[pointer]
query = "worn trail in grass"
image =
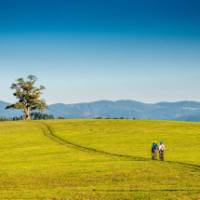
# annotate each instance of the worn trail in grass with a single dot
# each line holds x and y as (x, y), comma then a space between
(50, 133)
(98, 159)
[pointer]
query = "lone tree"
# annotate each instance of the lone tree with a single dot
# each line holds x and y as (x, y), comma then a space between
(28, 96)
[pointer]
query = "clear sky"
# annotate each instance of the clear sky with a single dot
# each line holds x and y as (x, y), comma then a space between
(102, 49)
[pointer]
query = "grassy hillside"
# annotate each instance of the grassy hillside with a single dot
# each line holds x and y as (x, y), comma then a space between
(98, 159)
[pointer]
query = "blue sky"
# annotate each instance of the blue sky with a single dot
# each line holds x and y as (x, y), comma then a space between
(103, 49)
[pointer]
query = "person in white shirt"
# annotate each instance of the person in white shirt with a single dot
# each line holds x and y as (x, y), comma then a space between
(161, 150)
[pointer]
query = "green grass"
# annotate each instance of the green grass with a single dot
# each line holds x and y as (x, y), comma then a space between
(98, 159)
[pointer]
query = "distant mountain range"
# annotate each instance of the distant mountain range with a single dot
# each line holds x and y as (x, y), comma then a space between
(183, 110)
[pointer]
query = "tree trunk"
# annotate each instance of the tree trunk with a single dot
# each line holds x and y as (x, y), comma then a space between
(27, 114)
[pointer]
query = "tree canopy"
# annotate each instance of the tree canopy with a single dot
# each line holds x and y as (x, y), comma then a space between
(28, 96)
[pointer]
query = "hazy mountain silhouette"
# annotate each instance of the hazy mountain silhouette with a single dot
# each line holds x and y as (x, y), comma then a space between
(183, 110)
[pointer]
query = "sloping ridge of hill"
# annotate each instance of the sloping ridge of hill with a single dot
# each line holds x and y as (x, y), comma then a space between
(102, 108)
(182, 110)
(9, 113)
(127, 109)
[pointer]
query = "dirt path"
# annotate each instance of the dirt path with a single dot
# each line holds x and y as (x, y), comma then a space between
(50, 133)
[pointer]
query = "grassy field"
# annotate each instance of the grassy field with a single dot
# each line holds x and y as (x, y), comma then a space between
(98, 159)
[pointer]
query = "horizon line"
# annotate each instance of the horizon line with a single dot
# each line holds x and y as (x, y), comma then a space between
(116, 100)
